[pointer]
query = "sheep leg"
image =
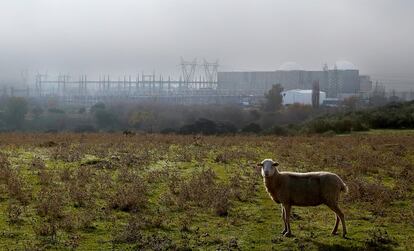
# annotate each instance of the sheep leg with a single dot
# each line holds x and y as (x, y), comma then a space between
(284, 220)
(341, 215)
(335, 229)
(287, 217)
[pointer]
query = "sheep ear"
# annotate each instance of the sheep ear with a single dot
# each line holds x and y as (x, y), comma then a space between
(275, 164)
(258, 167)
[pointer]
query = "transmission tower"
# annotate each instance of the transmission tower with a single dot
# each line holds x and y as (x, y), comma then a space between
(24, 74)
(188, 69)
(38, 84)
(210, 70)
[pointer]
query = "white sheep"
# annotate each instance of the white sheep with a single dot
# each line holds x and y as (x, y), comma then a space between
(303, 189)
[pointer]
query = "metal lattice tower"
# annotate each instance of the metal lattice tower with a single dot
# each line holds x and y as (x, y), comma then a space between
(188, 69)
(24, 74)
(39, 79)
(210, 71)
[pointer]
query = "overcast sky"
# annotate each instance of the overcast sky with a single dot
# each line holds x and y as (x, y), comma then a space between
(126, 36)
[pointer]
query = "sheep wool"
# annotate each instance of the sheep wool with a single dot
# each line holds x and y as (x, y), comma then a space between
(303, 189)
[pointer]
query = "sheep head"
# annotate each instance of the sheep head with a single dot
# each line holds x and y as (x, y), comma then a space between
(268, 167)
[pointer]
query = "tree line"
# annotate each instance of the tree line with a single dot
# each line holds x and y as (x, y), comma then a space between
(270, 117)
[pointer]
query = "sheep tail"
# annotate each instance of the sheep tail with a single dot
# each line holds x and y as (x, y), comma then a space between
(344, 187)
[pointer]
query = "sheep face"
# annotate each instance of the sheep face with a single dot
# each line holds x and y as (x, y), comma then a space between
(268, 167)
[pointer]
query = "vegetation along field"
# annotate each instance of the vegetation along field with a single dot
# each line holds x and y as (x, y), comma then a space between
(166, 192)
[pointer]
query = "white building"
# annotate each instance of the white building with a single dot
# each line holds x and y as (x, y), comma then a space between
(299, 96)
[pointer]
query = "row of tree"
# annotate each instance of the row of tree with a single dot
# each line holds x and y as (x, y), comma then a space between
(19, 114)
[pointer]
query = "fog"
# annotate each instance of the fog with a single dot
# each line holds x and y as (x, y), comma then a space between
(126, 36)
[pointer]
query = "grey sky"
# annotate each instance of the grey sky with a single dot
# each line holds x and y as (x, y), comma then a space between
(117, 36)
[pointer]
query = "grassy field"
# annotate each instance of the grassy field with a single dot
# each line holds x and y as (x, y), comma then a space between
(164, 192)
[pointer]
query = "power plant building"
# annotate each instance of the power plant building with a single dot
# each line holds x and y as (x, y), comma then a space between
(344, 78)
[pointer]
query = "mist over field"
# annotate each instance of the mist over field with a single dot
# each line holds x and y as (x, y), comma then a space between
(125, 37)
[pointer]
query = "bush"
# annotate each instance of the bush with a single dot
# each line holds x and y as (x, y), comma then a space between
(18, 188)
(202, 189)
(342, 125)
(337, 125)
(14, 212)
(379, 239)
(84, 129)
(51, 202)
(79, 187)
(56, 110)
(377, 195)
(198, 189)
(208, 127)
(130, 196)
(105, 119)
(15, 111)
(392, 116)
(252, 128)
(278, 130)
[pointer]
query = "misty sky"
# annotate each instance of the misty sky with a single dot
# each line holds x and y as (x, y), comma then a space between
(126, 36)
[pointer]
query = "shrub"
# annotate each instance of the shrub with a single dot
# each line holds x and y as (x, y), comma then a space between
(105, 119)
(79, 186)
(395, 116)
(318, 126)
(130, 195)
(14, 212)
(252, 128)
(18, 188)
(378, 196)
(84, 129)
(133, 233)
(221, 202)
(50, 205)
(15, 111)
(5, 170)
(50, 202)
(66, 153)
(202, 190)
(379, 239)
(208, 127)
(37, 163)
(278, 130)
(56, 110)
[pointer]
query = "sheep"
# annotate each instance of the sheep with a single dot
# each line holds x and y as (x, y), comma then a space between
(303, 189)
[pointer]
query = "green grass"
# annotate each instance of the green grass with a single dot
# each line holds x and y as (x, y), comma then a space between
(253, 224)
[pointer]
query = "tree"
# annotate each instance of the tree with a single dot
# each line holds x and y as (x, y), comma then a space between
(82, 110)
(56, 111)
(274, 98)
(378, 100)
(351, 103)
(208, 127)
(16, 109)
(98, 106)
(105, 119)
(37, 111)
(137, 119)
(252, 128)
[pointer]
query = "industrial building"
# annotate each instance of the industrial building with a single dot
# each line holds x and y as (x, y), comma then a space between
(245, 88)
(342, 80)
